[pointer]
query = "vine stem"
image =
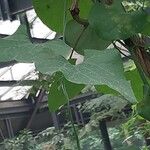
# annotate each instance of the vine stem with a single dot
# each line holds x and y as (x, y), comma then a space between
(63, 85)
(70, 116)
(76, 42)
(74, 11)
(139, 68)
(141, 72)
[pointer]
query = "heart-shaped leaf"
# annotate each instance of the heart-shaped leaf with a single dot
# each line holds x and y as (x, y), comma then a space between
(81, 38)
(51, 12)
(111, 22)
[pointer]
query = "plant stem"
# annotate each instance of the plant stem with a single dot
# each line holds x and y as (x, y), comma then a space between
(74, 10)
(70, 116)
(140, 70)
(64, 19)
(129, 45)
(77, 41)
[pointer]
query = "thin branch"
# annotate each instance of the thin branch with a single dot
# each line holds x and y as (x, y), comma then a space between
(24, 20)
(70, 116)
(64, 19)
(139, 67)
(76, 42)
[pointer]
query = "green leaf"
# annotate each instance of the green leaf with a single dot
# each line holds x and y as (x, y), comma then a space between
(143, 107)
(146, 28)
(136, 83)
(99, 67)
(112, 22)
(56, 97)
(51, 12)
(81, 38)
(19, 47)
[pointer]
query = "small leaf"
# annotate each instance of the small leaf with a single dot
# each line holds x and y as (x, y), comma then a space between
(56, 97)
(143, 107)
(81, 38)
(136, 83)
(51, 12)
